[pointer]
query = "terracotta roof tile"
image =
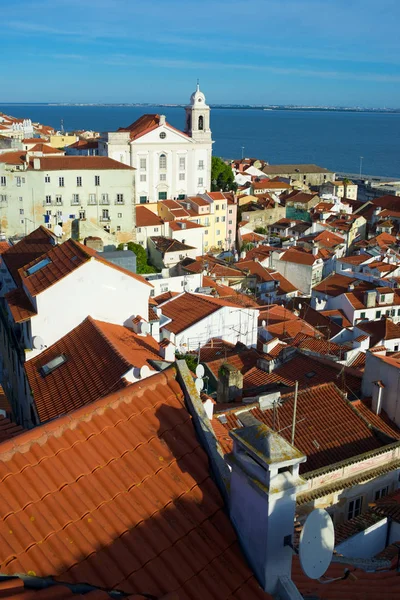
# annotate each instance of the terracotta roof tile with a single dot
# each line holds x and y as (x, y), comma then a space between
(165, 296)
(187, 309)
(98, 355)
(147, 218)
(336, 284)
(384, 329)
(328, 430)
(164, 244)
(20, 305)
(119, 495)
(224, 291)
(382, 421)
(294, 255)
(69, 163)
(243, 361)
(45, 149)
(8, 429)
(31, 247)
(287, 330)
(307, 371)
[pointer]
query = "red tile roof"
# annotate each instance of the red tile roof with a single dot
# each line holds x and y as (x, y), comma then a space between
(63, 259)
(242, 361)
(224, 291)
(252, 237)
(328, 429)
(384, 329)
(381, 421)
(147, 218)
(358, 585)
(175, 225)
(45, 149)
(20, 305)
(336, 284)
(274, 313)
(119, 495)
(98, 356)
(165, 296)
(81, 163)
(31, 247)
(145, 124)
(307, 371)
(297, 256)
(187, 309)
(356, 259)
(265, 274)
(287, 330)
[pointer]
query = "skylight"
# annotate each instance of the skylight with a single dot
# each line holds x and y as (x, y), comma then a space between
(39, 265)
(52, 365)
(310, 374)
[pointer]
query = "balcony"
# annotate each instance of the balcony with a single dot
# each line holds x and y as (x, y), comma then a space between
(104, 202)
(104, 219)
(92, 202)
(75, 202)
(120, 202)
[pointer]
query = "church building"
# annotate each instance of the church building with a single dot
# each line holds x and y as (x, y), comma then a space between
(169, 163)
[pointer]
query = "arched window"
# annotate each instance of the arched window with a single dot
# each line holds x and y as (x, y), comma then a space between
(201, 123)
(163, 161)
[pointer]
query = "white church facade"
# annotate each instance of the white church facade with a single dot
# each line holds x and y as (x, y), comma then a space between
(170, 164)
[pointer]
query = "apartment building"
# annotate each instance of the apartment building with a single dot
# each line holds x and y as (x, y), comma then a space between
(62, 190)
(215, 211)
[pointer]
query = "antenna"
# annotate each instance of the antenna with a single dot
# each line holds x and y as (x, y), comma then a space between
(317, 540)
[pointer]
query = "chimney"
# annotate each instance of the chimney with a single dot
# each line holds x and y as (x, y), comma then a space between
(264, 483)
(162, 120)
(230, 383)
(167, 350)
(315, 250)
(377, 391)
(36, 163)
(125, 247)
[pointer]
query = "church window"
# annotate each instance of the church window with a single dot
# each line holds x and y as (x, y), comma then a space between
(143, 199)
(182, 163)
(201, 123)
(200, 182)
(163, 135)
(163, 161)
(163, 177)
(181, 176)
(142, 164)
(143, 178)
(162, 195)
(201, 165)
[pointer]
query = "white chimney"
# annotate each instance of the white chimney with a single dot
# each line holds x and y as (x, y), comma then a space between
(162, 120)
(264, 483)
(36, 163)
(125, 247)
(315, 250)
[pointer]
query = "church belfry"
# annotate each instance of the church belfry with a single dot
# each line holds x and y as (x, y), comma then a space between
(198, 117)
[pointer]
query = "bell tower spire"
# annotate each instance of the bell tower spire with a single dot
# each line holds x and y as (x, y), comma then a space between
(198, 117)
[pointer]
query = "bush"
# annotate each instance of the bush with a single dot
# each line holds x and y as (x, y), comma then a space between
(190, 359)
(142, 266)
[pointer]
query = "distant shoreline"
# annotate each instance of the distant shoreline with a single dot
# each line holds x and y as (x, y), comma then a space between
(266, 108)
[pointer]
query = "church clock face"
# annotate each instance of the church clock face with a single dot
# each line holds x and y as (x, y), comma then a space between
(199, 100)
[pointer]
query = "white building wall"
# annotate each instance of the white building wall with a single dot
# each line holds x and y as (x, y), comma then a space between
(303, 277)
(94, 289)
(180, 283)
(230, 324)
(378, 370)
(366, 544)
(34, 193)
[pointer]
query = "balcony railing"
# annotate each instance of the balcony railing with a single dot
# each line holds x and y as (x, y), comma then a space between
(75, 202)
(92, 202)
(120, 202)
(104, 219)
(104, 201)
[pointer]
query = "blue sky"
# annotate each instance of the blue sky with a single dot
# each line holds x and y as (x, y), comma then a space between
(331, 52)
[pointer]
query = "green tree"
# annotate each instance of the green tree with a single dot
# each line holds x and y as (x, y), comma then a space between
(261, 230)
(222, 177)
(142, 266)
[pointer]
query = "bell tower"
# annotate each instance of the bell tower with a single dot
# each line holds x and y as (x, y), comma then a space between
(198, 117)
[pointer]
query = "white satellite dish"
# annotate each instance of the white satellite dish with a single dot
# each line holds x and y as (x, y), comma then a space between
(58, 230)
(199, 383)
(145, 372)
(145, 327)
(200, 371)
(317, 540)
(37, 342)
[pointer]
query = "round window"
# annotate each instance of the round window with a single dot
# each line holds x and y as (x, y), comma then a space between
(163, 135)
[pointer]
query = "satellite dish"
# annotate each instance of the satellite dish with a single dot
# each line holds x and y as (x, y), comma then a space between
(37, 342)
(200, 371)
(58, 231)
(145, 327)
(145, 372)
(317, 541)
(199, 383)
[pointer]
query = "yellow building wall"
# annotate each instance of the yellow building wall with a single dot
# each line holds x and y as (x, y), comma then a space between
(60, 141)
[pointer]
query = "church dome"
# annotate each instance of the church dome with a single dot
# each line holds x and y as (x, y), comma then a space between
(197, 98)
